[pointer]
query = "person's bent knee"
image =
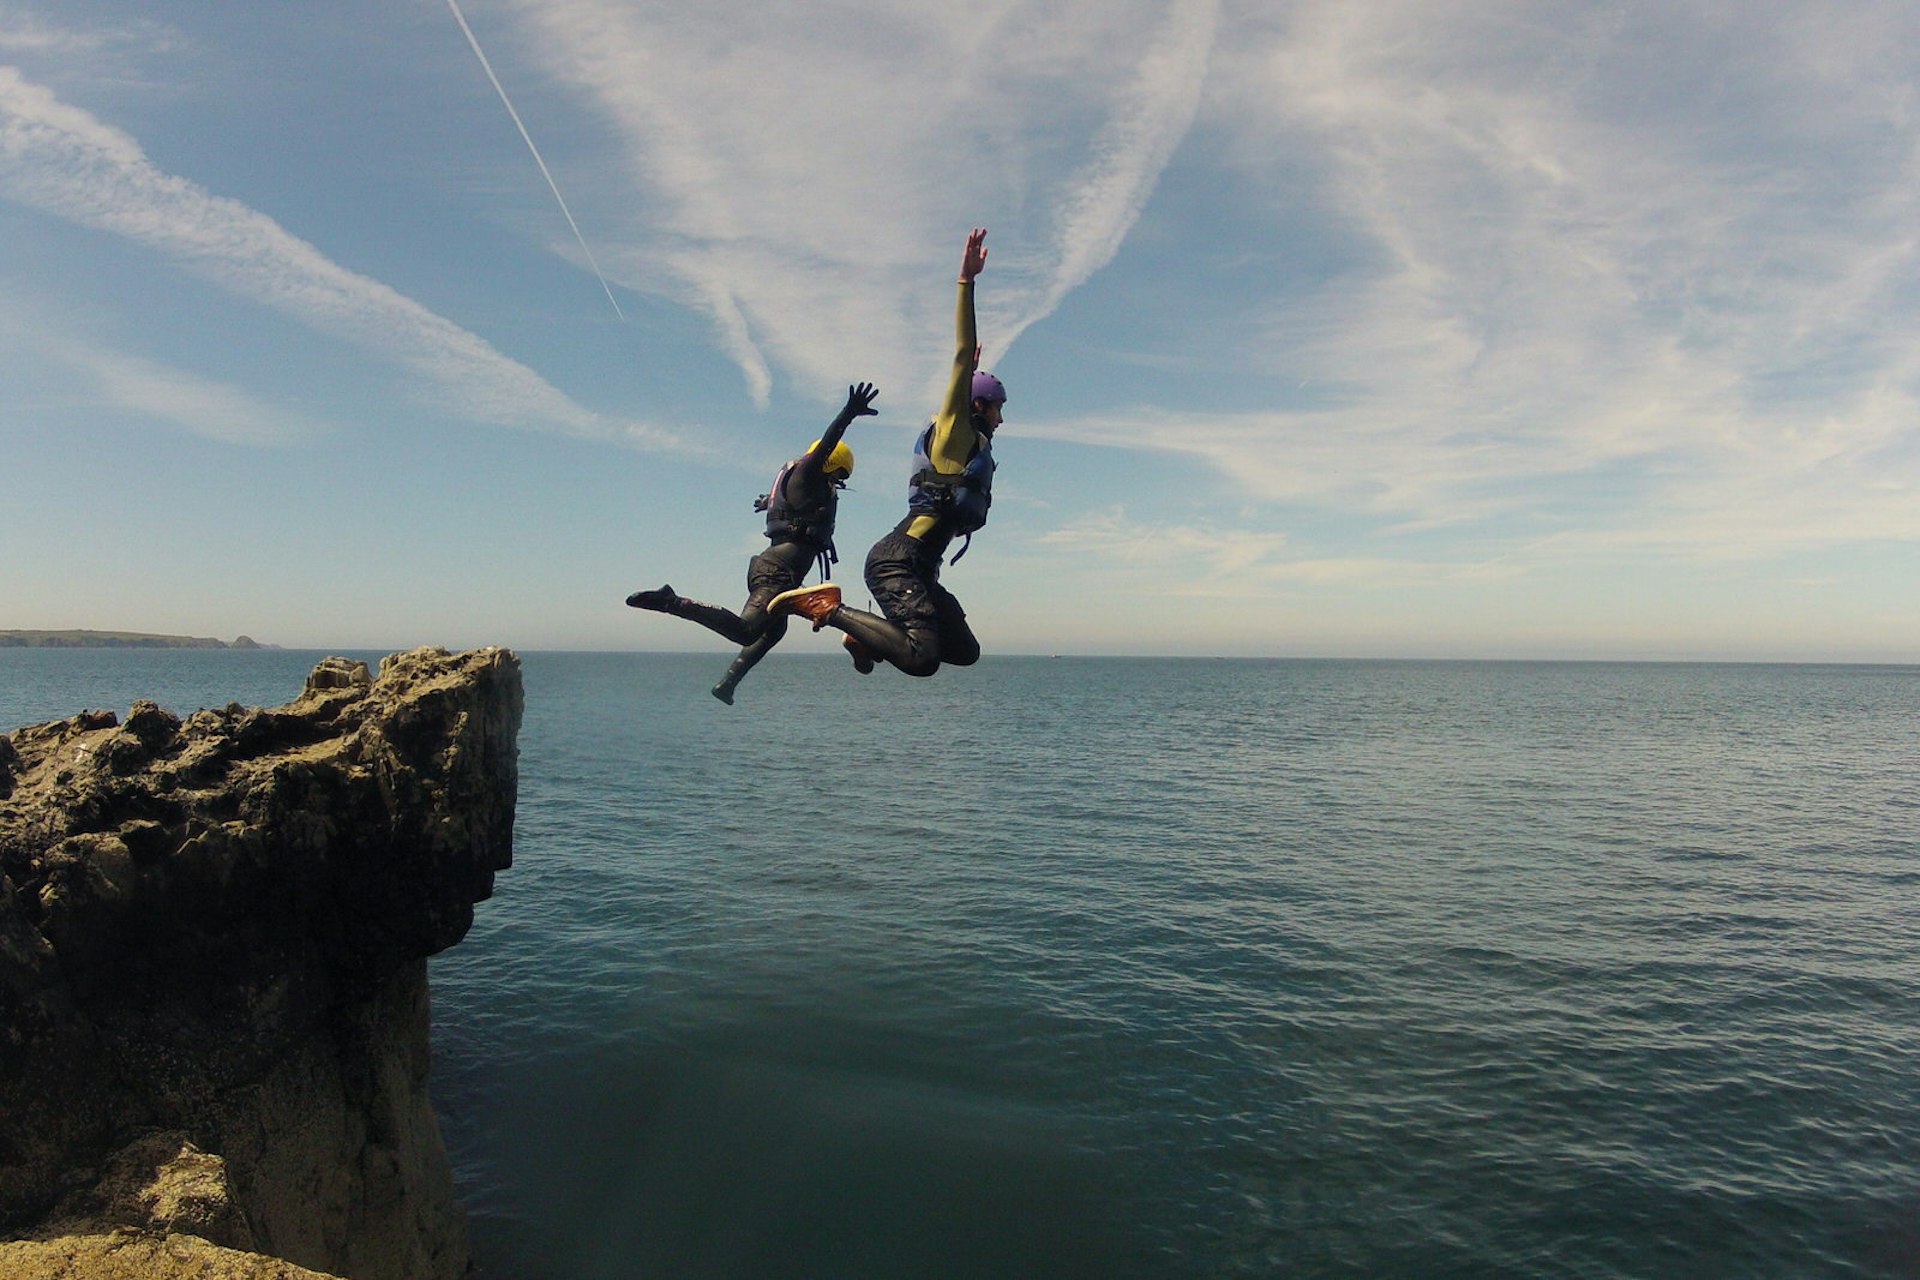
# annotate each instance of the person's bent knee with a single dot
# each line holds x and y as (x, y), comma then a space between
(922, 658)
(958, 645)
(959, 650)
(755, 618)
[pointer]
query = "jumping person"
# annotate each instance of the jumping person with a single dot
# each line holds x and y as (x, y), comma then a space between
(948, 495)
(800, 509)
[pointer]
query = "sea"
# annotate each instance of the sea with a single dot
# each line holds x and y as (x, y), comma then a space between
(1114, 968)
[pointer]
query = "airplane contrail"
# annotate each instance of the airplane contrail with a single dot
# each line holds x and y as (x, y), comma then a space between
(552, 186)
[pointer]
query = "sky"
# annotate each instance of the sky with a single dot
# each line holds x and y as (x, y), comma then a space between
(1414, 328)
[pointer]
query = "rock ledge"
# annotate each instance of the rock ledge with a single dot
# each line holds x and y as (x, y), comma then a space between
(213, 999)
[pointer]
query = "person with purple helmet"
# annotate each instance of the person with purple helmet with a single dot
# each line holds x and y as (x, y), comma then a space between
(947, 496)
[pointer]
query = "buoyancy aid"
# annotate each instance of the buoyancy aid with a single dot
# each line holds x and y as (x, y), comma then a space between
(963, 496)
(808, 521)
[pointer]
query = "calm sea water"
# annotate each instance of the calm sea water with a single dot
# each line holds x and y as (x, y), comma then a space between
(1115, 968)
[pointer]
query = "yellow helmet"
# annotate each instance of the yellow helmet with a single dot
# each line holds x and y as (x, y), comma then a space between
(841, 459)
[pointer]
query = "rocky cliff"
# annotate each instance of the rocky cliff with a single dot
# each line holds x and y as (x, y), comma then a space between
(213, 999)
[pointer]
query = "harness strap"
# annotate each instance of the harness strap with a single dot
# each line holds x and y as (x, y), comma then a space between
(940, 479)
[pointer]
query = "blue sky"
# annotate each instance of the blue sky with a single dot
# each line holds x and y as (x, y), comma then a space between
(1414, 328)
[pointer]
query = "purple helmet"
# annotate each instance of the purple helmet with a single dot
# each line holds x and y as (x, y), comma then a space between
(989, 388)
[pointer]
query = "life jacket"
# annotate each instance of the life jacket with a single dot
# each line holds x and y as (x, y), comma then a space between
(962, 497)
(809, 521)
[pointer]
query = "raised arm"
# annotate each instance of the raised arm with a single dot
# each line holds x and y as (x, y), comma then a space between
(953, 437)
(859, 405)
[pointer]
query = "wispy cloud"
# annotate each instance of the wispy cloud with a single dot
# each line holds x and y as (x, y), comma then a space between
(219, 411)
(62, 160)
(25, 34)
(1642, 275)
(1579, 492)
(131, 386)
(805, 177)
(1221, 559)
(1100, 204)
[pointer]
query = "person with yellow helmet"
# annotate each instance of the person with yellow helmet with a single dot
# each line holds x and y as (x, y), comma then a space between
(947, 496)
(801, 507)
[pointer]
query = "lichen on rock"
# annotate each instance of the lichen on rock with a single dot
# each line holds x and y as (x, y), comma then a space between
(213, 937)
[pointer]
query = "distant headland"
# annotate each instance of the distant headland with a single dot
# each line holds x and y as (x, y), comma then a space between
(120, 640)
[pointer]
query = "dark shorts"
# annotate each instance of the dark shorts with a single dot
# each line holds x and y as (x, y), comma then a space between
(781, 567)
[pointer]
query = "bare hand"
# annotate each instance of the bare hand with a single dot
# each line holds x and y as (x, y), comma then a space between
(975, 258)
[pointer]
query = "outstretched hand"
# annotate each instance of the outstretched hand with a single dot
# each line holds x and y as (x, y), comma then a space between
(975, 258)
(860, 400)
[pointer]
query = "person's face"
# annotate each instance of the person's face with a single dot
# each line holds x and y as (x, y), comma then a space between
(990, 410)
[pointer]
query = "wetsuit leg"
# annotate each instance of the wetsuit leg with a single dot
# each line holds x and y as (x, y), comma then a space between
(781, 567)
(711, 616)
(748, 658)
(723, 622)
(774, 570)
(764, 587)
(915, 652)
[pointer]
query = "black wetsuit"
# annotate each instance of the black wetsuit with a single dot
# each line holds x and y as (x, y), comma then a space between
(781, 567)
(801, 512)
